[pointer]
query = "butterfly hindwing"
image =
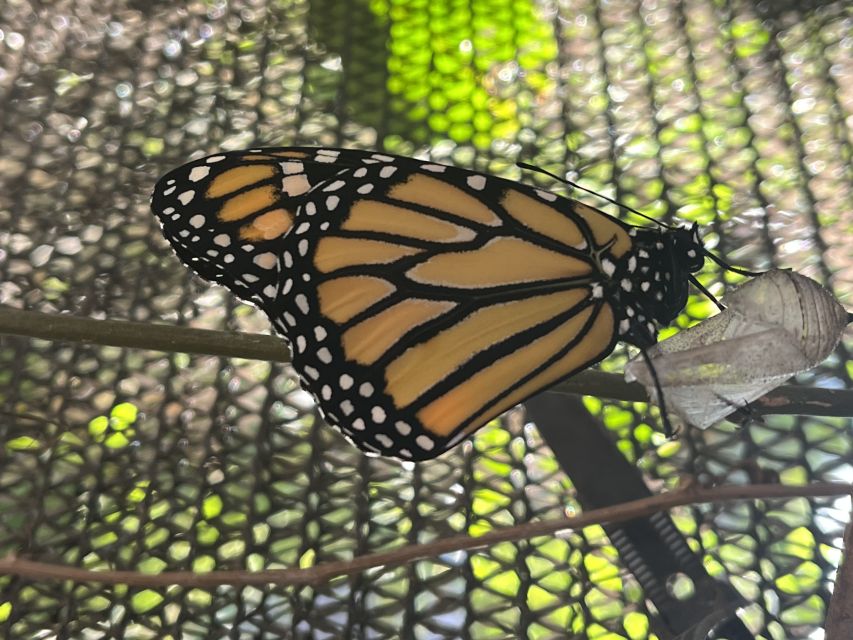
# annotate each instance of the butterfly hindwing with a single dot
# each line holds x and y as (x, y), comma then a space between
(423, 301)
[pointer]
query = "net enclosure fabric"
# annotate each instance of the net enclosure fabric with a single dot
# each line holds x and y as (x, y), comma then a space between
(734, 114)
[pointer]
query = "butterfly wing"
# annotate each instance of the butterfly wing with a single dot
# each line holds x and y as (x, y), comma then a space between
(421, 300)
(226, 215)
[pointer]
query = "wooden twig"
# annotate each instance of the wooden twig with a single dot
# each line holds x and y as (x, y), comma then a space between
(141, 335)
(322, 573)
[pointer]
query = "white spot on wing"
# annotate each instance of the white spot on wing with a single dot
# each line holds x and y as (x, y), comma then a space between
(197, 221)
(477, 182)
(186, 197)
(424, 442)
(199, 173)
(302, 303)
(265, 260)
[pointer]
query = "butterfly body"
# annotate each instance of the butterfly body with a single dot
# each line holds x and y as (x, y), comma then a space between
(421, 300)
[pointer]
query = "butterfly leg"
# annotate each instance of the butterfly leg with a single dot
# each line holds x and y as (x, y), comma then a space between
(743, 414)
(664, 414)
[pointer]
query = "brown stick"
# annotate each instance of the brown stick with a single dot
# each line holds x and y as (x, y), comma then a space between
(322, 573)
(170, 338)
(142, 335)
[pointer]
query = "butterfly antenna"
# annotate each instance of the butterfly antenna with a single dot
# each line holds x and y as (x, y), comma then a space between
(695, 282)
(664, 414)
(725, 265)
(575, 185)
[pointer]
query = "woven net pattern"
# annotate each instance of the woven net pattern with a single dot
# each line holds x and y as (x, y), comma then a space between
(732, 113)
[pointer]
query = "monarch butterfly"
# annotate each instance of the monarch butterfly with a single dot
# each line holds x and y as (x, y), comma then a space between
(421, 300)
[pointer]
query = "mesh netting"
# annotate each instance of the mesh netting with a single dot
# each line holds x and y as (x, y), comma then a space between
(734, 114)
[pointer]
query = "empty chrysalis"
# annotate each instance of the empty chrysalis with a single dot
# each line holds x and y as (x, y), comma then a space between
(776, 325)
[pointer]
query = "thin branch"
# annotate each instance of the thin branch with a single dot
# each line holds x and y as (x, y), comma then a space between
(322, 573)
(141, 335)
(787, 400)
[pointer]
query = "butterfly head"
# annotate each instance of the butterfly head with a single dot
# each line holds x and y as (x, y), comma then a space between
(663, 264)
(687, 247)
